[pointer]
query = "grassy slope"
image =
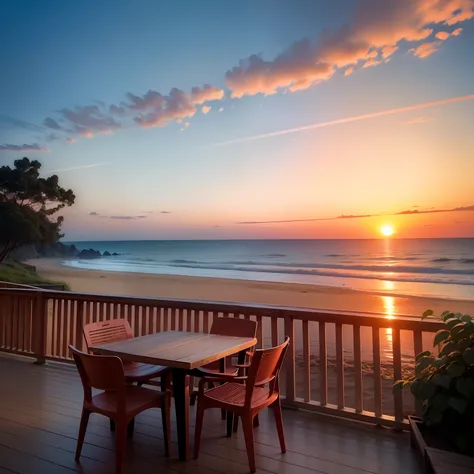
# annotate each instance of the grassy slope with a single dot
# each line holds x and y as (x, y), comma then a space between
(15, 272)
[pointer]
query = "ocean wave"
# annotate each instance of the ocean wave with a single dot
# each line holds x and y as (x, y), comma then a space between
(264, 266)
(467, 260)
(443, 259)
(180, 260)
(402, 277)
(271, 255)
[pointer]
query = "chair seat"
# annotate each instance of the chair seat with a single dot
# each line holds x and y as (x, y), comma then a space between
(135, 399)
(140, 372)
(234, 394)
(214, 368)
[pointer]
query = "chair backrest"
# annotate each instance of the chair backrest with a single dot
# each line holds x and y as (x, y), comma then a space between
(100, 372)
(234, 327)
(104, 332)
(265, 368)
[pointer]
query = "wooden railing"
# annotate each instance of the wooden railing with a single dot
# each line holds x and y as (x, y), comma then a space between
(340, 363)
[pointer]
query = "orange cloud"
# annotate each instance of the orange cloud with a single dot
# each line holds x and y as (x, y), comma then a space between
(205, 109)
(377, 28)
(425, 50)
(349, 71)
(371, 63)
(456, 32)
(442, 35)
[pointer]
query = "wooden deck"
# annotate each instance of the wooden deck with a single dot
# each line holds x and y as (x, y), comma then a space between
(39, 418)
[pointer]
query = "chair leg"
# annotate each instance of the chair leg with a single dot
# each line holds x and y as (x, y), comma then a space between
(276, 407)
(120, 445)
(236, 423)
(230, 423)
(223, 415)
(112, 425)
(131, 428)
(198, 430)
(193, 398)
(256, 422)
(247, 424)
(165, 420)
(82, 432)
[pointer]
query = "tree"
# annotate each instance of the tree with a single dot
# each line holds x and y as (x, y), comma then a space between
(27, 205)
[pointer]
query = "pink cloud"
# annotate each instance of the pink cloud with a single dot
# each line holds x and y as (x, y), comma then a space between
(377, 28)
(456, 32)
(22, 148)
(349, 71)
(89, 120)
(371, 63)
(425, 50)
(157, 110)
(387, 51)
(442, 35)
(205, 109)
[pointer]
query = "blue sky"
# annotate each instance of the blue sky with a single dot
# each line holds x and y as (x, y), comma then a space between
(67, 63)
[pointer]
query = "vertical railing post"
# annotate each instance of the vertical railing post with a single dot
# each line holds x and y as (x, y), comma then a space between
(290, 360)
(79, 325)
(40, 327)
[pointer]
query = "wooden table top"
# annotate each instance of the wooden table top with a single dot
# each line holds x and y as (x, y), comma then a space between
(176, 349)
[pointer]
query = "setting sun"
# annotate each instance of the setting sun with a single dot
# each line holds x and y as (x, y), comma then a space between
(387, 230)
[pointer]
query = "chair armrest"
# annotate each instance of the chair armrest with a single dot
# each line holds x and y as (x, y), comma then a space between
(241, 366)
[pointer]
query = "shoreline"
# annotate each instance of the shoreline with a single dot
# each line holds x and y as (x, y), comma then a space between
(246, 291)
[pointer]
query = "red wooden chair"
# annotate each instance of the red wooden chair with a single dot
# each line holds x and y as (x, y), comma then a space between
(246, 400)
(117, 330)
(119, 401)
(226, 327)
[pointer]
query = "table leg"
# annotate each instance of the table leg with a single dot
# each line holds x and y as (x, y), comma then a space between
(181, 402)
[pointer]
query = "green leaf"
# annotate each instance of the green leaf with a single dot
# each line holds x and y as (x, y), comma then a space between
(464, 344)
(427, 314)
(434, 418)
(440, 336)
(451, 322)
(458, 404)
(456, 369)
(443, 380)
(449, 347)
(465, 386)
(427, 390)
(445, 314)
(468, 356)
(440, 402)
(423, 354)
(466, 318)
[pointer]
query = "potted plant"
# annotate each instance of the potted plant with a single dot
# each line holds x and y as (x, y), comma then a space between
(444, 383)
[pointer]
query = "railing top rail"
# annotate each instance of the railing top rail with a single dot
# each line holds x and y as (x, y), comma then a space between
(356, 318)
(10, 285)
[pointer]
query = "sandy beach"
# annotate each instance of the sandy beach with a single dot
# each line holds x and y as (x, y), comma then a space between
(243, 291)
(284, 294)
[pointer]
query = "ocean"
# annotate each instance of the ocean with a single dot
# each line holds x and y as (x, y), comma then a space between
(432, 267)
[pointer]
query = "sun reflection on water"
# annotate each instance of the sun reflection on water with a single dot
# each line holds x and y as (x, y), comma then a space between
(390, 310)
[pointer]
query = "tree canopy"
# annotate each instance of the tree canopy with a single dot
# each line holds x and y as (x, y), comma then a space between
(28, 203)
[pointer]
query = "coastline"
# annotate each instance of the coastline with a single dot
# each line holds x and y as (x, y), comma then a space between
(245, 291)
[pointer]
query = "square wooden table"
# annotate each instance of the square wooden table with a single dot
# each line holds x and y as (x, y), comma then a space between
(181, 352)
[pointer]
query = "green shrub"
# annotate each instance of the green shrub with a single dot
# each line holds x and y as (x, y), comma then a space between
(444, 382)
